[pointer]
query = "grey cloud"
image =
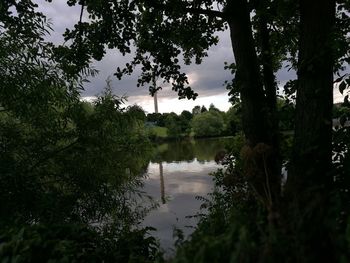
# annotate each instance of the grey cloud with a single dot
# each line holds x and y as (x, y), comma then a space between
(210, 75)
(107, 67)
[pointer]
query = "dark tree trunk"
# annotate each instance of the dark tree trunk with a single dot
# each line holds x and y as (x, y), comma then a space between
(269, 82)
(266, 56)
(248, 77)
(313, 131)
(261, 150)
(309, 177)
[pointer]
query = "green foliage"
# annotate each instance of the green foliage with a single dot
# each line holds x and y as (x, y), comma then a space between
(87, 107)
(203, 109)
(232, 229)
(75, 243)
(341, 163)
(233, 121)
(286, 112)
(207, 124)
(156, 118)
(218, 240)
(213, 108)
(196, 110)
(186, 115)
(341, 113)
(185, 122)
(137, 112)
(188, 124)
(156, 133)
(172, 123)
(69, 170)
(172, 126)
(235, 226)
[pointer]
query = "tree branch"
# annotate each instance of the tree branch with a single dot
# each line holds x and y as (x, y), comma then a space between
(208, 12)
(81, 11)
(51, 155)
(195, 10)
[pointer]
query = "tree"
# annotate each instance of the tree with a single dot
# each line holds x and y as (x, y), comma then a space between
(186, 115)
(207, 124)
(137, 112)
(157, 118)
(313, 123)
(196, 110)
(212, 107)
(185, 121)
(203, 109)
(233, 121)
(172, 123)
(286, 113)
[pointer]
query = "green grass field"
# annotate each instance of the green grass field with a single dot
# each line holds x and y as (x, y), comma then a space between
(160, 132)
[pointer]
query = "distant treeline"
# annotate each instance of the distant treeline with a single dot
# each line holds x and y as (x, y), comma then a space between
(199, 122)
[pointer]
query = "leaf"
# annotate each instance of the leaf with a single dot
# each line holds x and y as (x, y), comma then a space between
(342, 87)
(339, 79)
(342, 120)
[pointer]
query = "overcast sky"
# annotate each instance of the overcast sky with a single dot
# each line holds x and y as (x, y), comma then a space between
(206, 79)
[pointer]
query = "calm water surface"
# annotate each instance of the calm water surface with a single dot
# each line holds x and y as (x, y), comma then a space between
(177, 174)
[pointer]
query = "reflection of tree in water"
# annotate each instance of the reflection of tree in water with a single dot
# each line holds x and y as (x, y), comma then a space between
(202, 149)
(162, 189)
(206, 149)
(175, 152)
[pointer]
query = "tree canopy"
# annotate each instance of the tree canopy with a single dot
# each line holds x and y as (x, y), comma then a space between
(209, 123)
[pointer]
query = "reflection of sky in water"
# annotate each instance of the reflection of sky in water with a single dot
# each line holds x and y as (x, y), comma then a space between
(183, 181)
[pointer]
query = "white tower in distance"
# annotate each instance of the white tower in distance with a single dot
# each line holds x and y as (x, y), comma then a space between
(155, 102)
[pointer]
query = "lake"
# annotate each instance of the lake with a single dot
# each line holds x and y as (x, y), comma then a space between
(176, 175)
